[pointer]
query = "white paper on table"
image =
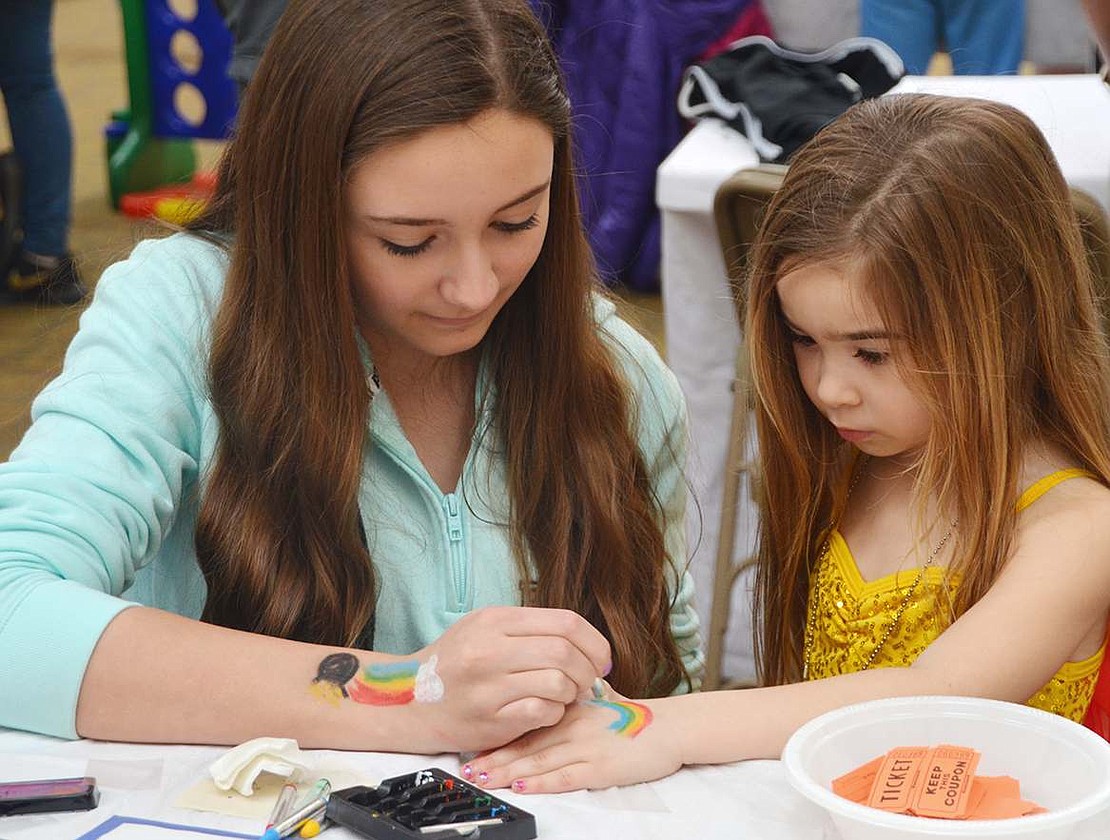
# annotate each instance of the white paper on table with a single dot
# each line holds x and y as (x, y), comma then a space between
(15, 767)
(130, 774)
(205, 796)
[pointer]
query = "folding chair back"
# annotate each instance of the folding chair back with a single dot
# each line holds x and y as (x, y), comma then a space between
(738, 206)
(1095, 229)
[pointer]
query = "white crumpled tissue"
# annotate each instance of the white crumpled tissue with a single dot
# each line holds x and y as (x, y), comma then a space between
(239, 767)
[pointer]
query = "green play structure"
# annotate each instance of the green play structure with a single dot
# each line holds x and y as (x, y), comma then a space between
(150, 143)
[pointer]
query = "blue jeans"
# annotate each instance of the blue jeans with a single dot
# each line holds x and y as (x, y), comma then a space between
(983, 37)
(39, 124)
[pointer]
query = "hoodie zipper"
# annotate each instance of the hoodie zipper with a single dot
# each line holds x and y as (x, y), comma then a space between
(459, 565)
(453, 527)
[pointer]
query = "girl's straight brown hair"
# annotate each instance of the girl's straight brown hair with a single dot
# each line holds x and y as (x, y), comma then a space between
(958, 217)
(278, 535)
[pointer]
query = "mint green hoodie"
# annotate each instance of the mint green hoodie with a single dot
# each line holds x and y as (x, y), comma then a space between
(98, 503)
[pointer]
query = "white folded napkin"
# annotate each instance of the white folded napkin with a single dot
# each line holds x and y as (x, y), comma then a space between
(239, 767)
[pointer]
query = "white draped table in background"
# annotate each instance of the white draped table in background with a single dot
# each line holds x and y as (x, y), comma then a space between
(701, 330)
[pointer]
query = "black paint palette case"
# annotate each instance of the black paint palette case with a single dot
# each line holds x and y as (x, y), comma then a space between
(430, 805)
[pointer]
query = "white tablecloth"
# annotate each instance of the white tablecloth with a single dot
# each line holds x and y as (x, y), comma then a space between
(701, 329)
(749, 800)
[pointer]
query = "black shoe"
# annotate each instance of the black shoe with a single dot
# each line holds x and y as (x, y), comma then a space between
(11, 185)
(57, 283)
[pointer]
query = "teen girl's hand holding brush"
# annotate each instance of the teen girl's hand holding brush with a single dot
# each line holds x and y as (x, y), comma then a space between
(934, 433)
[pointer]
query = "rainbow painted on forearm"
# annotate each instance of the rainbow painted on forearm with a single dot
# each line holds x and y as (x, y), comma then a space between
(385, 685)
(339, 676)
(632, 718)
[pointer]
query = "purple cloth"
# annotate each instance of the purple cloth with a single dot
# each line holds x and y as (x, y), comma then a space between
(623, 62)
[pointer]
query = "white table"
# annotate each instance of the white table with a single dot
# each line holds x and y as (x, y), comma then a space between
(701, 329)
(750, 799)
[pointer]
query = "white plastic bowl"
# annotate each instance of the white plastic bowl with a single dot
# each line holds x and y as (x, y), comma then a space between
(1061, 765)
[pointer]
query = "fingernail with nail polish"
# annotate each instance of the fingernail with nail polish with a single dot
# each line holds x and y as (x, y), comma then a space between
(518, 785)
(467, 771)
(483, 777)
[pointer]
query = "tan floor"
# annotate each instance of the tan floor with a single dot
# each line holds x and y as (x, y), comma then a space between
(89, 54)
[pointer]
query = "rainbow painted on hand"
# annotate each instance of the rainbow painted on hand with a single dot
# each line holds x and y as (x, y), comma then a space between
(632, 718)
(385, 685)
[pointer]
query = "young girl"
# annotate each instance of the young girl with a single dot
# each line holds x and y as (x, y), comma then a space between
(934, 429)
(367, 421)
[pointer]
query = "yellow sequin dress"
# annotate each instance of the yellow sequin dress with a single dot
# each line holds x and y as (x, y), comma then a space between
(852, 615)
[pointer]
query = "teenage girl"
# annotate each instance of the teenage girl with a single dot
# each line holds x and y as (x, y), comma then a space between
(363, 458)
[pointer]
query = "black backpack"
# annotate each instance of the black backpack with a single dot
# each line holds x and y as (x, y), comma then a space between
(779, 98)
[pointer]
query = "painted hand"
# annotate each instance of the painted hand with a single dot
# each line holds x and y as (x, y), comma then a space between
(597, 744)
(508, 670)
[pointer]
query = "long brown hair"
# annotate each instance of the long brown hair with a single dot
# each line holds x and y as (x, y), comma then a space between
(963, 227)
(278, 535)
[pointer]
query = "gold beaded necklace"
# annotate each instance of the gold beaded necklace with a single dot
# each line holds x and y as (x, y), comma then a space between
(811, 627)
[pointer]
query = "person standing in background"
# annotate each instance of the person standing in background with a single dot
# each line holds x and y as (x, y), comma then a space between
(810, 27)
(251, 23)
(1098, 14)
(42, 269)
(1058, 39)
(983, 37)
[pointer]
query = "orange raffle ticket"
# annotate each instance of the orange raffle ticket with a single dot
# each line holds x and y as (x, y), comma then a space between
(945, 786)
(897, 780)
(939, 782)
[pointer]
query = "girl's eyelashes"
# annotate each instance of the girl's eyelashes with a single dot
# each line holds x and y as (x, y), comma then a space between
(407, 250)
(871, 357)
(517, 227)
(868, 357)
(414, 250)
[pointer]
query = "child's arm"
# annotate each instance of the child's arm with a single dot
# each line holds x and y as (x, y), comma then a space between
(1049, 606)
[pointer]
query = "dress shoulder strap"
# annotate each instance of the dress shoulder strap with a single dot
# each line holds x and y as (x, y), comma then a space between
(1042, 485)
